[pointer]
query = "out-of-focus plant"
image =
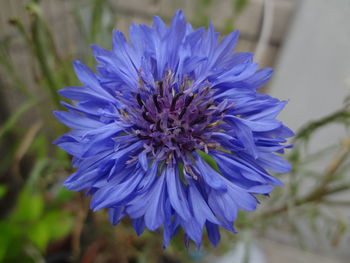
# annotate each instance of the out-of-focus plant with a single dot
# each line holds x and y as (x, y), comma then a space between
(26, 232)
(203, 13)
(311, 195)
(331, 180)
(31, 170)
(34, 209)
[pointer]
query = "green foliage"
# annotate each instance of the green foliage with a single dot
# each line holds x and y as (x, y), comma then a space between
(12, 121)
(228, 27)
(37, 218)
(8, 67)
(204, 13)
(98, 28)
(240, 5)
(29, 206)
(3, 190)
(32, 224)
(96, 21)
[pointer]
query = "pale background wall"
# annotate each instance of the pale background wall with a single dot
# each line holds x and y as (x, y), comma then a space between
(313, 72)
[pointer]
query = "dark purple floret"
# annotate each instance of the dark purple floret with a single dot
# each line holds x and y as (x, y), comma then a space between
(176, 122)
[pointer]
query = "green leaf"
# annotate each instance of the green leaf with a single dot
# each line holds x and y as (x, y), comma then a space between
(29, 206)
(3, 190)
(5, 237)
(39, 235)
(10, 240)
(63, 195)
(58, 224)
(3, 248)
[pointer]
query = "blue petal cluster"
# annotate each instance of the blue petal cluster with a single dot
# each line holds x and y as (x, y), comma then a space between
(145, 123)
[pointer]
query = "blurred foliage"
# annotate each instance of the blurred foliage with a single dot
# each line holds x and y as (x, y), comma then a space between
(239, 5)
(204, 13)
(40, 221)
(26, 232)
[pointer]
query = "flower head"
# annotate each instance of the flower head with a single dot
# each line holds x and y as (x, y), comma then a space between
(158, 110)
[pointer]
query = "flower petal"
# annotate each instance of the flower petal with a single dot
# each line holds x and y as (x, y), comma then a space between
(209, 175)
(177, 194)
(155, 213)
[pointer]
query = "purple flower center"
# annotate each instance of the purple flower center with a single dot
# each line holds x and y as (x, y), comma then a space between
(174, 120)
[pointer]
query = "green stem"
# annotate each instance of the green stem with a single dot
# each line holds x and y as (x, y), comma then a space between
(42, 58)
(323, 190)
(17, 23)
(9, 124)
(341, 115)
(315, 196)
(6, 63)
(337, 203)
(96, 19)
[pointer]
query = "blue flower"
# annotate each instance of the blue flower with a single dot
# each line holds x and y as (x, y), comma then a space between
(160, 110)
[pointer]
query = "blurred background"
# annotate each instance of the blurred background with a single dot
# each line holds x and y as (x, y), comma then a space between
(307, 42)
